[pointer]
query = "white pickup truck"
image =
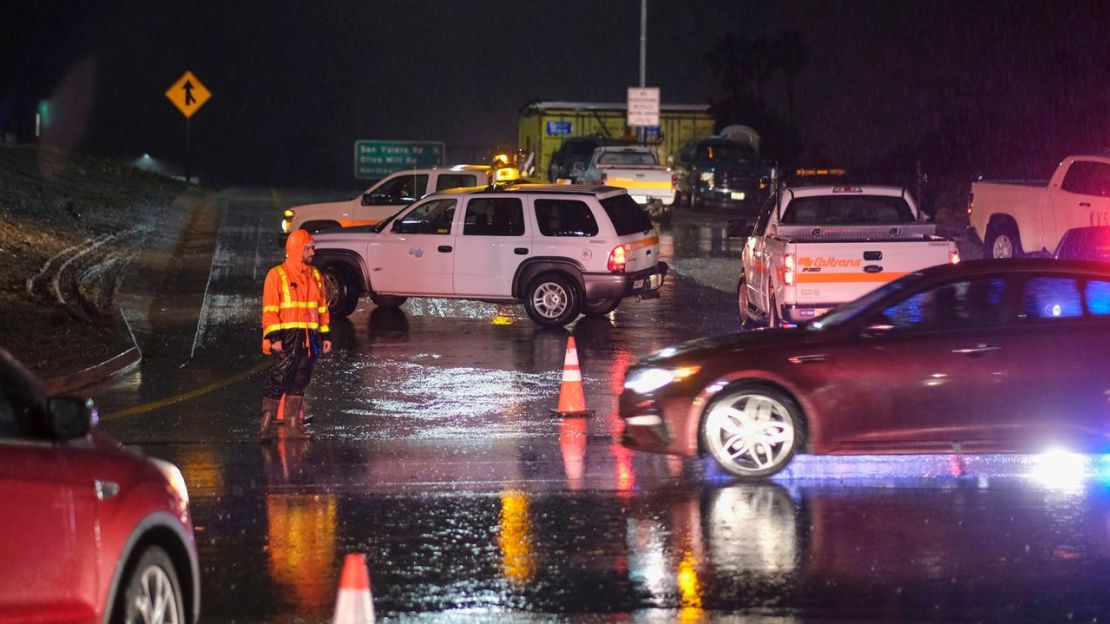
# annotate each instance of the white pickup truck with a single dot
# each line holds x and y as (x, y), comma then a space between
(635, 168)
(814, 248)
(384, 199)
(1014, 219)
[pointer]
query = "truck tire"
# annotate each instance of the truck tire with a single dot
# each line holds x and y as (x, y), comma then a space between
(552, 300)
(339, 290)
(387, 301)
(1002, 241)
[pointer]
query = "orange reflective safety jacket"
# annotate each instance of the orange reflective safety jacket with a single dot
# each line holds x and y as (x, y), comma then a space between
(293, 297)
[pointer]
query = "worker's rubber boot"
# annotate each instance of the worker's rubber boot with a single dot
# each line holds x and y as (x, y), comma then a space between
(269, 412)
(294, 428)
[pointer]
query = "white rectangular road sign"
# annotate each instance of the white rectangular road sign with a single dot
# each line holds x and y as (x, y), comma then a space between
(643, 106)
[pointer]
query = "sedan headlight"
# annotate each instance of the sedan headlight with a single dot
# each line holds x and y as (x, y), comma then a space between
(707, 177)
(647, 380)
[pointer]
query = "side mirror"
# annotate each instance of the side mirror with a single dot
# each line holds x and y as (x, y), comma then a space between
(764, 182)
(70, 417)
(367, 199)
(396, 229)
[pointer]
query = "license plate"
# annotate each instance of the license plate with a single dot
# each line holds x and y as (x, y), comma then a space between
(739, 195)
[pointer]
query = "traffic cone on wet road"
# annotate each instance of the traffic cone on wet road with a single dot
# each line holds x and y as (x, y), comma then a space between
(571, 400)
(354, 604)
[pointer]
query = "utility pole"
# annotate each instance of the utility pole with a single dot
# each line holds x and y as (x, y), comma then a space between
(643, 43)
(641, 132)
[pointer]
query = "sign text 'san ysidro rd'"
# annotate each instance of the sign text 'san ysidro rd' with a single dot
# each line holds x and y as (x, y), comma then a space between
(377, 159)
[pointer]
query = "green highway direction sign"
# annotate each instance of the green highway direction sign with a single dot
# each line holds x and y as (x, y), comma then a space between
(376, 159)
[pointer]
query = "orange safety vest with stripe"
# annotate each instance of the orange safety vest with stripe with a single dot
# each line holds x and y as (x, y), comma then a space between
(290, 301)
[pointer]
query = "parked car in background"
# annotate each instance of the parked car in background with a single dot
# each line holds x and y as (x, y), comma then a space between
(1085, 243)
(637, 169)
(979, 357)
(569, 162)
(720, 174)
(89, 531)
(561, 250)
(1014, 219)
(382, 199)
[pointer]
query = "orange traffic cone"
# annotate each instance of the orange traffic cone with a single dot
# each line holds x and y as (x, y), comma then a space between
(571, 401)
(354, 604)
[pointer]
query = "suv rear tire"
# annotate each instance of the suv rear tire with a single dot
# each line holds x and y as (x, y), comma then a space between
(552, 300)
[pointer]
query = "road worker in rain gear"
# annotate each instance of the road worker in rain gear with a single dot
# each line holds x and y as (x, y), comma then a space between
(295, 332)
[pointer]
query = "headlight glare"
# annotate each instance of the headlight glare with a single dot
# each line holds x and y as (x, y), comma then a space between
(647, 380)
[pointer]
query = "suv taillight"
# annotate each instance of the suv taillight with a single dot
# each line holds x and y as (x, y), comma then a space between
(674, 182)
(970, 203)
(618, 258)
(954, 257)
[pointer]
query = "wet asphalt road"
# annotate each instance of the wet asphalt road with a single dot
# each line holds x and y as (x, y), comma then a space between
(437, 456)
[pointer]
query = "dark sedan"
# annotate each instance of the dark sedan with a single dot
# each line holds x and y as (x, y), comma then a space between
(979, 357)
(1085, 243)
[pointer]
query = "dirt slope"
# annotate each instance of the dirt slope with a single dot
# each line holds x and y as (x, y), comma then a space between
(70, 227)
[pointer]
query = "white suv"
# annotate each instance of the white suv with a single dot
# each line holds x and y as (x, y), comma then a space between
(561, 250)
(382, 200)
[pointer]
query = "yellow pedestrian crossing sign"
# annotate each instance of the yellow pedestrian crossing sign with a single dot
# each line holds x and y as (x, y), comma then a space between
(188, 94)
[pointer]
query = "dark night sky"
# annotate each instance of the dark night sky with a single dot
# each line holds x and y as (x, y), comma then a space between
(982, 84)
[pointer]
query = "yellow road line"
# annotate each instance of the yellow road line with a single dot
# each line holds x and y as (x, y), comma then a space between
(185, 396)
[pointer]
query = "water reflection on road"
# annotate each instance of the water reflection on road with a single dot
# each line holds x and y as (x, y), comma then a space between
(437, 455)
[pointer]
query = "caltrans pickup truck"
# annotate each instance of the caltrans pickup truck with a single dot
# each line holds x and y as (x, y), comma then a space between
(814, 248)
(1014, 219)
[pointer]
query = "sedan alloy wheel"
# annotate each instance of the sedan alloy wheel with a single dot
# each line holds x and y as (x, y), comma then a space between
(752, 432)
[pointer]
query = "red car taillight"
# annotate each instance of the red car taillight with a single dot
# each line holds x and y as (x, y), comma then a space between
(618, 259)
